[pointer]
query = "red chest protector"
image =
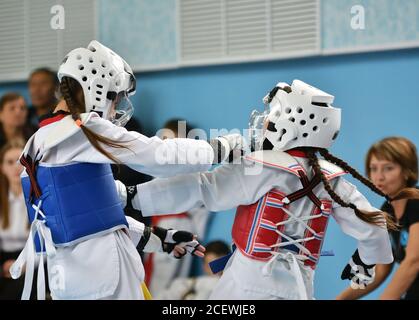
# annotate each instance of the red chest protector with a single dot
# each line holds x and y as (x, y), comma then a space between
(259, 228)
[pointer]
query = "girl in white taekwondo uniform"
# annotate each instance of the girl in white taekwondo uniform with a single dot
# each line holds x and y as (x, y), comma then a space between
(71, 196)
(285, 195)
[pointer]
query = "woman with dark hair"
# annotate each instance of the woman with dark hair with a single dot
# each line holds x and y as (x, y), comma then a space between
(284, 195)
(73, 204)
(13, 112)
(42, 86)
(14, 226)
(392, 165)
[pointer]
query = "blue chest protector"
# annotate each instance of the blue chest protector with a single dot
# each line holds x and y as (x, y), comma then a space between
(78, 201)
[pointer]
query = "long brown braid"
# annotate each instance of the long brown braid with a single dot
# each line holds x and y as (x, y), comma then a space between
(405, 193)
(72, 93)
(344, 165)
(377, 217)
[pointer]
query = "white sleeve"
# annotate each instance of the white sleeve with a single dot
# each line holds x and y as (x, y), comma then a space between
(136, 230)
(373, 241)
(224, 188)
(152, 156)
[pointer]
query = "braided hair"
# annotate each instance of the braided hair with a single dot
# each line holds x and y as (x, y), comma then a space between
(378, 217)
(405, 193)
(72, 93)
(328, 156)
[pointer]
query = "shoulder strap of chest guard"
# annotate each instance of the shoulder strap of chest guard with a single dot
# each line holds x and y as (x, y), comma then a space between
(283, 161)
(63, 129)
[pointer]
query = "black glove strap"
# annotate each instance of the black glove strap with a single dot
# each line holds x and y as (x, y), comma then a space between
(347, 272)
(160, 232)
(144, 239)
(357, 260)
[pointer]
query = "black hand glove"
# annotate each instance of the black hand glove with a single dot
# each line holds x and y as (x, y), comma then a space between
(358, 272)
(184, 240)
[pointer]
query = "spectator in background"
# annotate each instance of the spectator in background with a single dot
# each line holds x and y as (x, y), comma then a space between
(160, 269)
(392, 164)
(43, 84)
(13, 113)
(14, 225)
(198, 288)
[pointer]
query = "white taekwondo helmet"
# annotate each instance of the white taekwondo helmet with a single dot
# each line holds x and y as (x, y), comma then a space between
(295, 116)
(104, 77)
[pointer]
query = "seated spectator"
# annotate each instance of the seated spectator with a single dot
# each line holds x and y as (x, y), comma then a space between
(14, 225)
(392, 164)
(42, 86)
(13, 112)
(198, 288)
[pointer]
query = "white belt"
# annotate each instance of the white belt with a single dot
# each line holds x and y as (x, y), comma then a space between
(292, 259)
(28, 256)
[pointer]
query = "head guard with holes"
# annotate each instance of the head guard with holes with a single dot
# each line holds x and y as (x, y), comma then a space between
(296, 116)
(106, 79)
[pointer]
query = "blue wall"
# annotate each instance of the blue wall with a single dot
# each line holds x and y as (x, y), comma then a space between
(378, 93)
(387, 22)
(144, 31)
